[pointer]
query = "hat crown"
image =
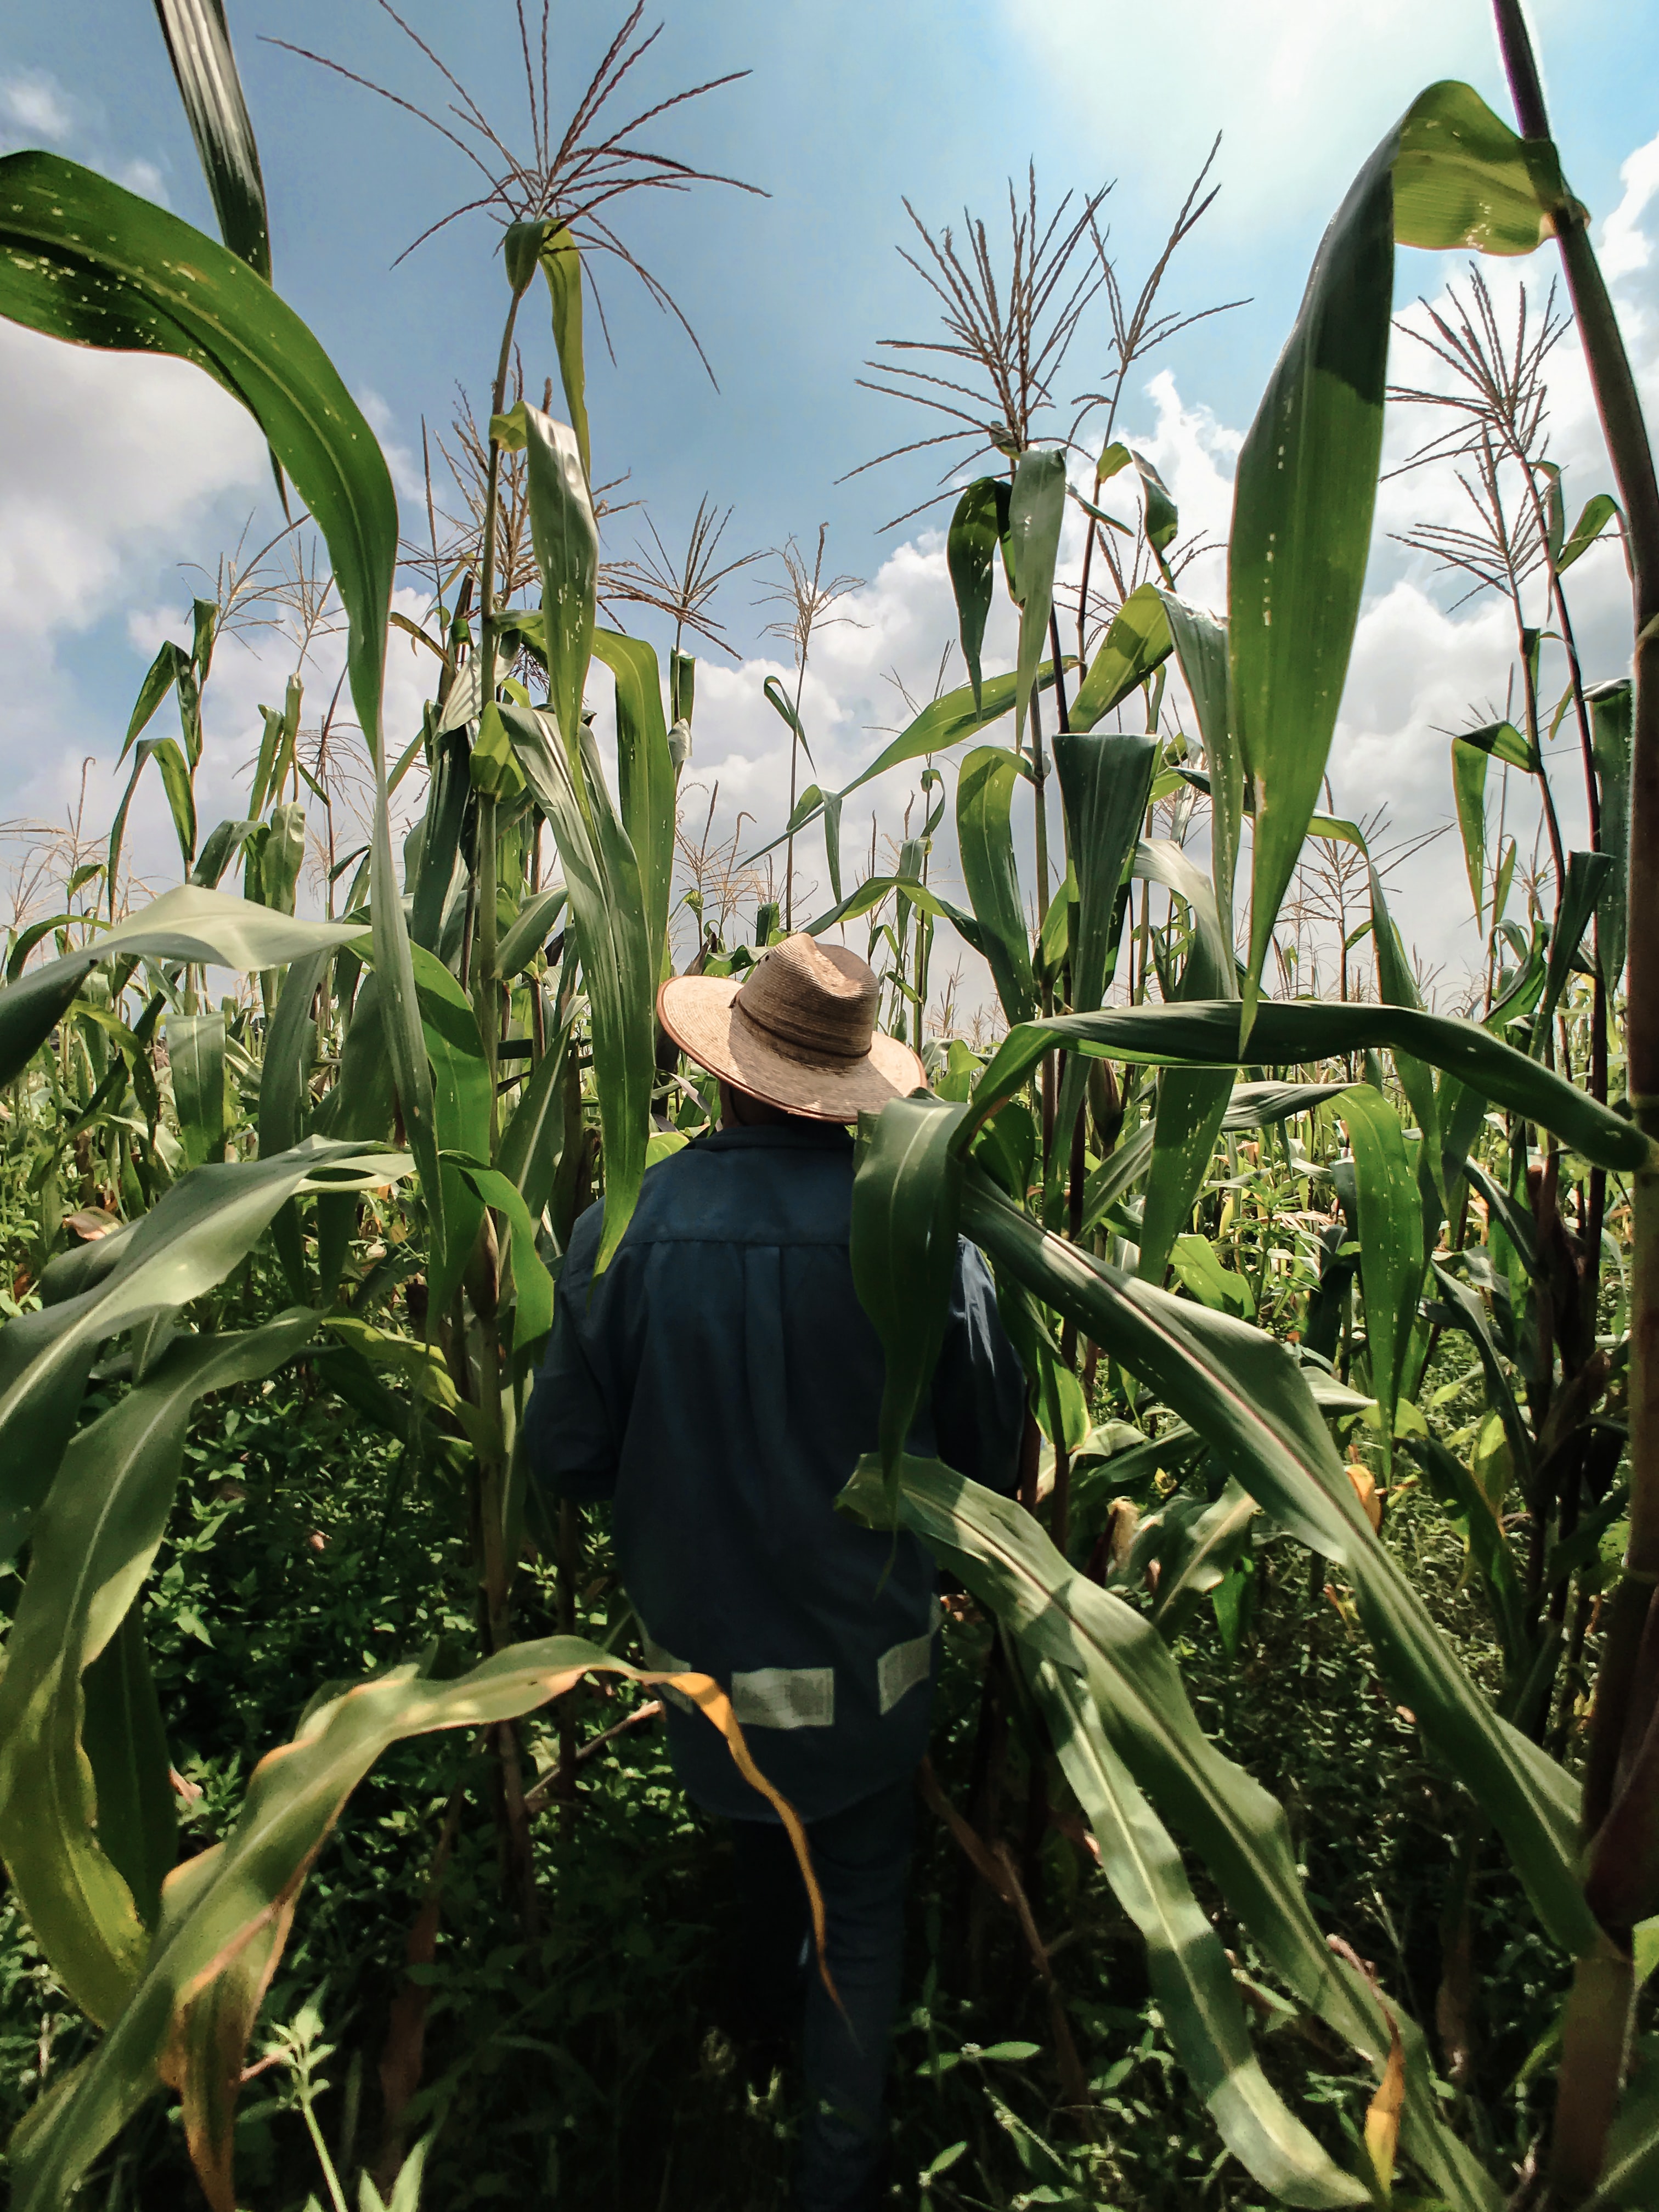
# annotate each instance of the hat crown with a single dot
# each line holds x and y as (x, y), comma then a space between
(819, 1000)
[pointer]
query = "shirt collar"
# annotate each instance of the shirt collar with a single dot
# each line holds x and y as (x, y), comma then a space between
(821, 1136)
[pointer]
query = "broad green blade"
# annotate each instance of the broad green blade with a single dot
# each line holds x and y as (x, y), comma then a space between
(1191, 1981)
(188, 1241)
(225, 1914)
(1599, 511)
(1137, 641)
(196, 1054)
(198, 45)
(1289, 1034)
(1200, 647)
(282, 857)
(529, 931)
(210, 928)
(1036, 506)
(91, 1547)
(977, 527)
(1396, 984)
(1104, 781)
(532, 1142)
(1243, 1393)
(1391, 1258)
(1610, 739)
(1217, 1538)
(1589, 875)
(1449, 174)
(646, 784)
(904, 1250)
(460, 1098)
(607, 910)
(532, 1285)
(562, 266)
(1468, 765)
(985, 844)
(124, 1738)
(566, 539)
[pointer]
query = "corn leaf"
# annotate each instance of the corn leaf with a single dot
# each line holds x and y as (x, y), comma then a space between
(1036, 506)
(978, 525)
(646, 780)
(985, 790)
(1138, 639)
(1391, 1257)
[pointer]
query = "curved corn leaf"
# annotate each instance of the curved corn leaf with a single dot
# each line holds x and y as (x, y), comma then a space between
(532, 1285)
(290, 1048)
(225, 1914)
(460, 1098)
(1059, 1614)
(1468, 765)
(529, 931)
(1138, 639)
(1286, 1034)
(1587, 877)
(125, 1740)
(565, 540)
(1243, 1393)
(647, 783)
(1036, 506)
(607, 911)
(1200, 647)
(1610, 739)
(532, 1142)
(985, 791)
(91, 1546)
(977, 527)
(188, 1241)
(1391, 1257)
(195, 1055)
(1104, 782)
(1449, 174)
(209, 927)
(1216, 1540)
(1397, 986)
(198, 47)
(1197, 1996)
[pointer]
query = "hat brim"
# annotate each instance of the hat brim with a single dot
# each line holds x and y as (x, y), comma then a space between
(700, 1014)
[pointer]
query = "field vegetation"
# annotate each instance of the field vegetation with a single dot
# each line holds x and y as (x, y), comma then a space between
(1293, 1829)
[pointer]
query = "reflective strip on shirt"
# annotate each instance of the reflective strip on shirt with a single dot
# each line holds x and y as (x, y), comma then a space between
(664, 1663)
(901, 1667)
(785, 1697)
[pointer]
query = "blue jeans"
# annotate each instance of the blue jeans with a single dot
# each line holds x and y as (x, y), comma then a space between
(861, 1857)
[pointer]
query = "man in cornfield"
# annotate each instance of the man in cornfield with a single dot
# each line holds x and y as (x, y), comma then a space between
(718, 1381)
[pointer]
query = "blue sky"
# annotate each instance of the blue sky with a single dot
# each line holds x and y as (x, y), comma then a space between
(845, 111)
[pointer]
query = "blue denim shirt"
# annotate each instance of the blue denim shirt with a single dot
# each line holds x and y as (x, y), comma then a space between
(718, 1381)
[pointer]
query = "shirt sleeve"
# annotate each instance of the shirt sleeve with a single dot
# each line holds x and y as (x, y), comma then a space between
(570, 1436)
(978, 1386)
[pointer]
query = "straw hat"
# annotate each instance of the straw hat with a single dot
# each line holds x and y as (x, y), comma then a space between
(799, 1032)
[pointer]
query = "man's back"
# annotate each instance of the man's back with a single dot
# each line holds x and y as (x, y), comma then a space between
(720, 1381)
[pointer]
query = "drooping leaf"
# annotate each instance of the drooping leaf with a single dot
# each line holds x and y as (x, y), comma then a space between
(532, 1285)
(985, 789)
(1104, 782)
(1391, 1257)
(1610, 739)
(1137, 641)
(1200, 647)
(189, 1240)
(1468, 765)
(529, 931)
(460, 1098)
(1588, 876)
(1599, 511)
(562, 266)
(124, 1739)
(977, 527)
(1037, 508)
(91, 1546)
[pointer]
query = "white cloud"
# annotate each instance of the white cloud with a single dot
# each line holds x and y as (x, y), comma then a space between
(33, 106)
(1624, 246)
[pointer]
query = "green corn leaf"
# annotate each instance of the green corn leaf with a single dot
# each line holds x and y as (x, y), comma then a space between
(1463, 1308)
(607, 911)
(985, 790)
(1104, 782)
(1200, 647)
(1061, 1615)
(1197, 1996)
(1589, 875)
(162, 674)
(198, 45)
(1468, 765)
(1631, 2174)
(460, 1098)
(1160, 519)
(529, 931)
(290, 1048)
(1396, 985)
(978, 525)
(1138, 639)
(647, 783)
(226, 1913)
(1391, 1257)
(124, 1739)
(1217, 1537)
(532, 1142)
(91, 1547)
(1449, 174)
(1243, 1393)
(532, 1285)
(210, 928)
(565, 540)
(1036, 506)
(1600, 511)
(1488, 1547)
(219, 848)
(446, 810)
(904, 1250)
(281, 856)
(188, 1241)
(560, 264)
(1610, 742)
(1501, 741)
(196, 1053)
(1289, 1034)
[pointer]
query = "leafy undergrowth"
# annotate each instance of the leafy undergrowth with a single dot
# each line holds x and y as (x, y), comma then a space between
(595, 2065)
